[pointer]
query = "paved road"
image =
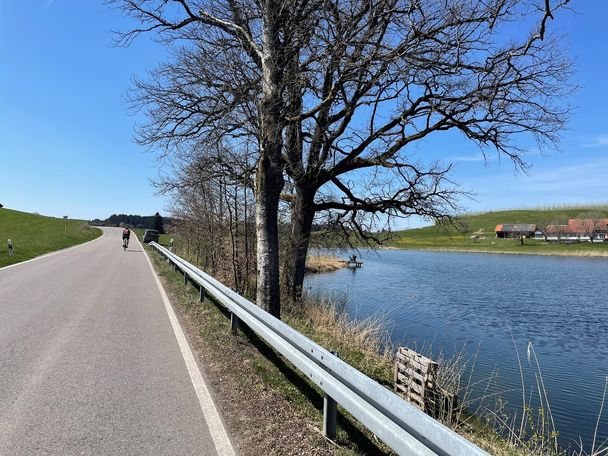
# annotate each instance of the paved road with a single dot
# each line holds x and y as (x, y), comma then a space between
(89, 362)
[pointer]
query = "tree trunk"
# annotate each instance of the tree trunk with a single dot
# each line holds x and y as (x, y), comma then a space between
(269, 179)
(247, 259)
(301, 219)
(269, 184)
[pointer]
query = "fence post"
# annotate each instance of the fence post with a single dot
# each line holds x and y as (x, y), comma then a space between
(234, 323)
(201, 294)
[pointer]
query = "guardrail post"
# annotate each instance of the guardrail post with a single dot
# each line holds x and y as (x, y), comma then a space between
(185, 278)
(330, 413)
(234, 323)
(201, 294)
(330, 417)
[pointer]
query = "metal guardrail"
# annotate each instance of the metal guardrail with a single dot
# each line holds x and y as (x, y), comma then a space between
(404, 428)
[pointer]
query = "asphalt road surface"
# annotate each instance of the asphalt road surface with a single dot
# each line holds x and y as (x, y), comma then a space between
(90, 362)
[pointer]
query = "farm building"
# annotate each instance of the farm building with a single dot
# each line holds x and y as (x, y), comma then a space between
(557, 232)
(515, 230)
(583, 229)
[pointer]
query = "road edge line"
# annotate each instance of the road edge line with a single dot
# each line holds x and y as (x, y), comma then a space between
(46, 255)
(221, 440)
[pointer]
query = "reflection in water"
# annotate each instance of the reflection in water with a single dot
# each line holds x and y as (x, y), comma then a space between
(479, 302)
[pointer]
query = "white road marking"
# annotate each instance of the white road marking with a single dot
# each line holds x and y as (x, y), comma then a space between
(222, 443)
(46, 255)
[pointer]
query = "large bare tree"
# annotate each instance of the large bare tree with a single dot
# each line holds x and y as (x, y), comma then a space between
(379, 76)
(333, 93)
(233, 60)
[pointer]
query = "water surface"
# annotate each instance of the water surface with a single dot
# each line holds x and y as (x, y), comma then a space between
(482, 303)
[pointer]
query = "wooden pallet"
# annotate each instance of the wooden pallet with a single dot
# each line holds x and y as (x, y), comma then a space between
(416, 382)
(414, 376)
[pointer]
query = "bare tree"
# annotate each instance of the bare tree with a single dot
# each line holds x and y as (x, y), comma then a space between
(334, 92)
(559, 227)
(590, 222)
(213, 214)
(236, 53)
(544, 223)
(384, 75)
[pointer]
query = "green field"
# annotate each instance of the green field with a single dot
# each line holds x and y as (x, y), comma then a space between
(34, 235)
(483, 226)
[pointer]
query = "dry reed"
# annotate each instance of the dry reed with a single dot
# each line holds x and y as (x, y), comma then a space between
(323, 263)
(366, 344)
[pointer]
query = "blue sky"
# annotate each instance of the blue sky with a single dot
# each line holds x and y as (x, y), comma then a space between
(66, 144)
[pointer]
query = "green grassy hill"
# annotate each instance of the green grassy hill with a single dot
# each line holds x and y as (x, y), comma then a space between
(460, 237)
(34, 235)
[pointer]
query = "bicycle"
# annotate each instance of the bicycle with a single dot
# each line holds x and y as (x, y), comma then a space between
(125, 243)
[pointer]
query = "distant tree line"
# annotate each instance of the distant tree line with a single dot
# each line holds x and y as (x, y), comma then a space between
(153, 222)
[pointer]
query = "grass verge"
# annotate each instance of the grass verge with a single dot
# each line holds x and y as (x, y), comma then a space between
(34, 235)
(269, 407)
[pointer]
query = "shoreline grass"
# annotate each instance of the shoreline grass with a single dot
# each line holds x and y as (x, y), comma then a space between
(565, 253)
(366, 345)
(323, 263)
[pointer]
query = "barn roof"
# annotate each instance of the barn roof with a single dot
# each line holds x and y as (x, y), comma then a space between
(584, 225)
(516, 227)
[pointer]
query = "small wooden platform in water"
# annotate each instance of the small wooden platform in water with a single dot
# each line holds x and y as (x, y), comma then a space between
(354, 264)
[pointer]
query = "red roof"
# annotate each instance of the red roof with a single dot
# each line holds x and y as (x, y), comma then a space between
(586, 225)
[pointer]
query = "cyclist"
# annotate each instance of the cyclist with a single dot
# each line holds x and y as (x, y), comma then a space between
(126, 234)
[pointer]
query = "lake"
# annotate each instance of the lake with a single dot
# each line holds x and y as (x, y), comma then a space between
(486, 306)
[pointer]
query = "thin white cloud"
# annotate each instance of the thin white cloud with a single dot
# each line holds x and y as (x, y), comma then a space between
(49, 3)
(467, 158)
(493, 155)
(596, 141)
